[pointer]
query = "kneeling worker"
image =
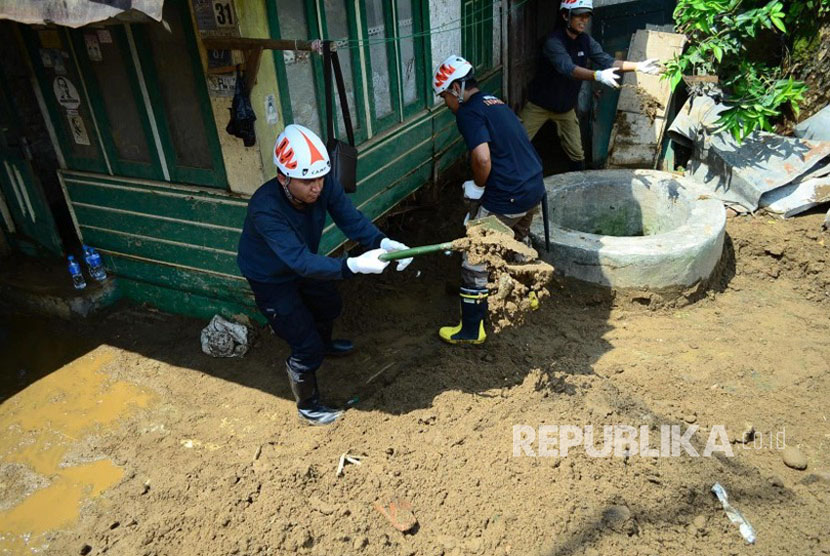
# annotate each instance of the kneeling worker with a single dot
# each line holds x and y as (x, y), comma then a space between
(507, 179)
(293, 285)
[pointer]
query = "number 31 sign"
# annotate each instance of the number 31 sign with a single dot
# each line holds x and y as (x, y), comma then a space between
(223, 13)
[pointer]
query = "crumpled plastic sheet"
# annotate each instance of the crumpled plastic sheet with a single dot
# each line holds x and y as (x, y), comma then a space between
(736, 517)
(223, 338)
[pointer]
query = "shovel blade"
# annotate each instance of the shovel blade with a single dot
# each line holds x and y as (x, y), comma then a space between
(491, 223)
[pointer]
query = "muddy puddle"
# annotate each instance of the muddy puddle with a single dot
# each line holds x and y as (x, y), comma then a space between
(49, 466)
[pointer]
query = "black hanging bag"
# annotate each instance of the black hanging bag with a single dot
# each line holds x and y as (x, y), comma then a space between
(343, 155)
(242, 114)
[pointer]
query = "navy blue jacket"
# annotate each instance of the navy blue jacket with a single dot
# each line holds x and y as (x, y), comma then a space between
(515, 181)
(279, 242)
(553, 88)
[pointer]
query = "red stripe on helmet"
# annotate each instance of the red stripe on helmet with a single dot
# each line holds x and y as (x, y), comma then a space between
(285, 154)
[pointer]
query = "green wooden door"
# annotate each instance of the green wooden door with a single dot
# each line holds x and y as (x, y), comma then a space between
(24, 213)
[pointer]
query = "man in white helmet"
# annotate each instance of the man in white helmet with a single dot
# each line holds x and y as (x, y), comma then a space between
(507, 179)
(293, 285)
(562, 67)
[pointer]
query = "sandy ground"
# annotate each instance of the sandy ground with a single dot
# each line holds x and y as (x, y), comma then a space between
(210, 458)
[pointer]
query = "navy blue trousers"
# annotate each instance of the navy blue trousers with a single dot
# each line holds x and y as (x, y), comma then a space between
(302, 313)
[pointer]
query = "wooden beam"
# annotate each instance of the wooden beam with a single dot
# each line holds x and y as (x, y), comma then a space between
(240, 43)
(252, 57)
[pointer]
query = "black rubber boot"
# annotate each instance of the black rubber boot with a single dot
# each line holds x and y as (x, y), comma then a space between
(339, 348)
(304, 388)
(471, 328)
(576, 165)
(333, 348)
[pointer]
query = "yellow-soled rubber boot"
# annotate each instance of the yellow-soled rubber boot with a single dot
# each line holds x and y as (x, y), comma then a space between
(471, 328)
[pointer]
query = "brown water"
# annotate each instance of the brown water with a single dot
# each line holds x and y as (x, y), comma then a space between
(43, 416)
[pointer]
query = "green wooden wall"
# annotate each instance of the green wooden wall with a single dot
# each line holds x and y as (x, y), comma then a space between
(174, 246)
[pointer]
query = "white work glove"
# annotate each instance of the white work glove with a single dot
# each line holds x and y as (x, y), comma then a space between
(650, 66)
(368, 262)
(392, 245)
(608, 77)
(472, 191)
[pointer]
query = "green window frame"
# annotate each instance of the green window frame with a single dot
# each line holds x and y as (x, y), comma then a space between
(363, 48)
(152, 115)
(477, 33)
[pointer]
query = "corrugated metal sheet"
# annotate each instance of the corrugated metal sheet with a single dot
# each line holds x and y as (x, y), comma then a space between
(76, 13)
(744, 173)
(763, 162)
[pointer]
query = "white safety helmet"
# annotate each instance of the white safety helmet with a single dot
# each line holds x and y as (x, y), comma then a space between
(299, 153)
(576, 7)
(454, 67)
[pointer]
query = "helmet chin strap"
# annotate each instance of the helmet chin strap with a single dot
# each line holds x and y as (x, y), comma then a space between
(291, 198)
(570, 23)
(460, 95)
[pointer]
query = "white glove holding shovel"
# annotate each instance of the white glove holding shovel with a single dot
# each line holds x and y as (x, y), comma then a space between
(392, 245)
(368, 263)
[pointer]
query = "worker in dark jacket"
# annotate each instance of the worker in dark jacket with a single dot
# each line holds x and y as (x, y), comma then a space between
(293, 285)
(507, 179)
(562, 68)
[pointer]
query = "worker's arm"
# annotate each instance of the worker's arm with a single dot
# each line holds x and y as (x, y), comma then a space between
(477, 137)
(291, 249)
(480, 161)
(625, 65)
(351, 221)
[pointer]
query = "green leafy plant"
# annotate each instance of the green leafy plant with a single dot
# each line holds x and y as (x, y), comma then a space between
(743, 42)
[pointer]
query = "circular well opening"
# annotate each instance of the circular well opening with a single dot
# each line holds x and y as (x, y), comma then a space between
(619, 208)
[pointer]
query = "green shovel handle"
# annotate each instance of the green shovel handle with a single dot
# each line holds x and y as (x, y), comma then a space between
(415, 251)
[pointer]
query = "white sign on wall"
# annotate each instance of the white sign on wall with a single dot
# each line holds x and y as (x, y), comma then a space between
(66, 93)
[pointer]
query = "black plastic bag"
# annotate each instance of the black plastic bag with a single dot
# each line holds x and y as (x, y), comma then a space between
(242, 114)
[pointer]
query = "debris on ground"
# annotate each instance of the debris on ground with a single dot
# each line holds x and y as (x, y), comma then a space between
(399, 513)
(345, 458)
(223, 338)
(794, 458)
(736, 517)
(785, 175)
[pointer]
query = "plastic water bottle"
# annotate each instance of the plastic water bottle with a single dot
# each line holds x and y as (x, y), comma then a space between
(75, 271)
(94, 264)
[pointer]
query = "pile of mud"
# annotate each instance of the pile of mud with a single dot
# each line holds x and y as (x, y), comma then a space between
(515, 273)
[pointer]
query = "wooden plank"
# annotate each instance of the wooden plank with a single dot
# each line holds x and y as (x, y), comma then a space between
(241, 43)
(183, 303)
(167, 251)
(193, 281)
(170, 203)
(193, 233)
